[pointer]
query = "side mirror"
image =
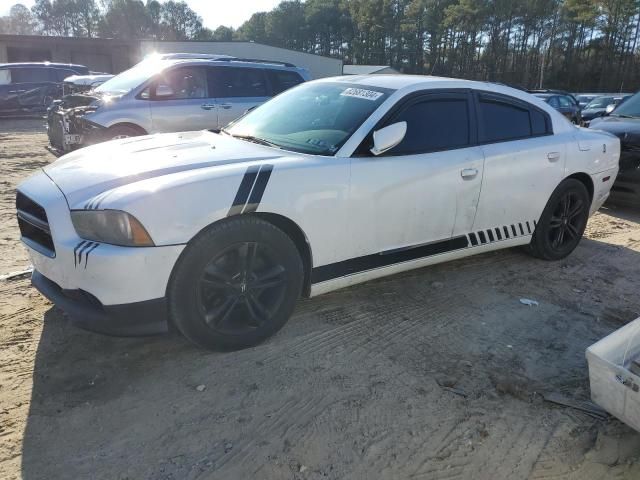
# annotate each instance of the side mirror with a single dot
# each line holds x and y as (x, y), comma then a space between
(163, 90)
(388, 137)
(610, 108)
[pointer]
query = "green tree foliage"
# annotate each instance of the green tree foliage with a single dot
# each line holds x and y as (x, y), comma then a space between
(573, 44)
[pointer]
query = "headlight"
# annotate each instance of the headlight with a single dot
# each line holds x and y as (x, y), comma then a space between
(110, 226)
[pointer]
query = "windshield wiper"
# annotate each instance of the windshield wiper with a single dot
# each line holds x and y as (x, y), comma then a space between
(251, 138)
(623, 116)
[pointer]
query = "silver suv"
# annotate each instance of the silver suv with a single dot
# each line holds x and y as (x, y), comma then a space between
(168, 93)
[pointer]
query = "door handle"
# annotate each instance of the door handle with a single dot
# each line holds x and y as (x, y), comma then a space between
(553, 156)
(469, 173)
(226, 106)
(208, 106)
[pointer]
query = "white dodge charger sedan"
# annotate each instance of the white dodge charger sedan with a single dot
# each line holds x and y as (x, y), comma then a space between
(332, 183)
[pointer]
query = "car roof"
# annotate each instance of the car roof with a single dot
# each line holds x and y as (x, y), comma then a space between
(43, 64)
(230, 61)
(402, 81)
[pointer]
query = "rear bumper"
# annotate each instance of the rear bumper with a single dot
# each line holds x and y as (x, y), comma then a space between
(133, 319)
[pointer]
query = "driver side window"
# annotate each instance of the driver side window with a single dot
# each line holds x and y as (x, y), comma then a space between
(180, 83)
(434, 123)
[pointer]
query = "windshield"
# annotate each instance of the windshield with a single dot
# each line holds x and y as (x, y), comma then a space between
(314, 118)
(602, 102)
(629, 108)
(132, 78)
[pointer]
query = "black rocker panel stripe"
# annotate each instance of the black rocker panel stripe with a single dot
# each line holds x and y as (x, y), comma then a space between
(385, 259)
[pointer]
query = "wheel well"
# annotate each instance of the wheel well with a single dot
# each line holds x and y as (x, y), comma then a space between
(296, 234)
(586, 180)
(130, 125)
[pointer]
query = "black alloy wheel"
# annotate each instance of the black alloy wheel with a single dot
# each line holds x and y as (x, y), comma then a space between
(235, 284)
(241, 288)
(562, 222)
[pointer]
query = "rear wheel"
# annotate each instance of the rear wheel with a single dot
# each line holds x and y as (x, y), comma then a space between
(235, 284)
(562, 223)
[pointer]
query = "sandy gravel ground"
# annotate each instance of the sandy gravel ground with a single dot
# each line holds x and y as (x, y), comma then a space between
(435, 374)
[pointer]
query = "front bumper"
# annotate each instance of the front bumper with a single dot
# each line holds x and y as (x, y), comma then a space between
(68, 131)
(114, 278)
(134, 319)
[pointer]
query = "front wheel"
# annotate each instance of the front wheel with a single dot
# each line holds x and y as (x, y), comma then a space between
(235, 284)
(562, 223)
(123, 131)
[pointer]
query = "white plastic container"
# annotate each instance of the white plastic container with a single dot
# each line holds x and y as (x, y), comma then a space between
(613, 386)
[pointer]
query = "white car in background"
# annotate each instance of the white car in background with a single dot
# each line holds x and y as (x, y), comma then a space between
(332, 183)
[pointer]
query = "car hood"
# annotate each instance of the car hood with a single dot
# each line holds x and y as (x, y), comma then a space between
(88, 172)
(623, 128)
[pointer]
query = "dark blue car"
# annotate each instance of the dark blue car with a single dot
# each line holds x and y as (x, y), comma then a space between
(30, 87)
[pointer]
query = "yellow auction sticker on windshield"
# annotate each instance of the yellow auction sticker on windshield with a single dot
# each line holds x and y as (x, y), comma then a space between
(361, 93)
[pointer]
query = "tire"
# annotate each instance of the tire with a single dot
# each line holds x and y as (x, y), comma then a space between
(563, 222)
(220, 300)
(123, 131)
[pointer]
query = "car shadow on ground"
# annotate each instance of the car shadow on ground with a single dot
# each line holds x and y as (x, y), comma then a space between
(623, 212)
(158, 407)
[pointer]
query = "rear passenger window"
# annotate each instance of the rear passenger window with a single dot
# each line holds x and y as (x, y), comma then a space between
(238, 82)
(433, 125)
(30, 75)
(503, 121)
(282, 80)
(538, 123)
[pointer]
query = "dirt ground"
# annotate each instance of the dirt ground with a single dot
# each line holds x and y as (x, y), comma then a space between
(435, 374)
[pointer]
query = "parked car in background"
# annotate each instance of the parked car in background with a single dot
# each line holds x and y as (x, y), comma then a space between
(84, 83)
(584, 98)
(564, 103)
(624, 123)
(598, 107)
(27, 88)
(332, 183)
(170, 93)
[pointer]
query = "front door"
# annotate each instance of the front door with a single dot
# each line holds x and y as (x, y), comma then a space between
(425, 190)
(180, 101)
(237, 90)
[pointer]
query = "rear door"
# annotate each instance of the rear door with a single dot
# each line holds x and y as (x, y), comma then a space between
(180, 101)
(237, 90)
(426, 189)
(524, 163)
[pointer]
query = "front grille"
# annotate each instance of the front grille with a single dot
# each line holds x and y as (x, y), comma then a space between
(55, 130)
(34, 225)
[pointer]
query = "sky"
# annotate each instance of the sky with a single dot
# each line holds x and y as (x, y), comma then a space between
(231, 13)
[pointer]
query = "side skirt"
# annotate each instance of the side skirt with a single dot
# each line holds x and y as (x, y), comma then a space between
(362, 269)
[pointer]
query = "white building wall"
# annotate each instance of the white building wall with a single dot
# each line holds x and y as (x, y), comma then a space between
(317, 65)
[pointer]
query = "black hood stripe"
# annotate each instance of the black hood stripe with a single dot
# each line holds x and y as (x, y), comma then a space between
(122, 181)
(246, 185)
(251, 189)
(258, 189)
